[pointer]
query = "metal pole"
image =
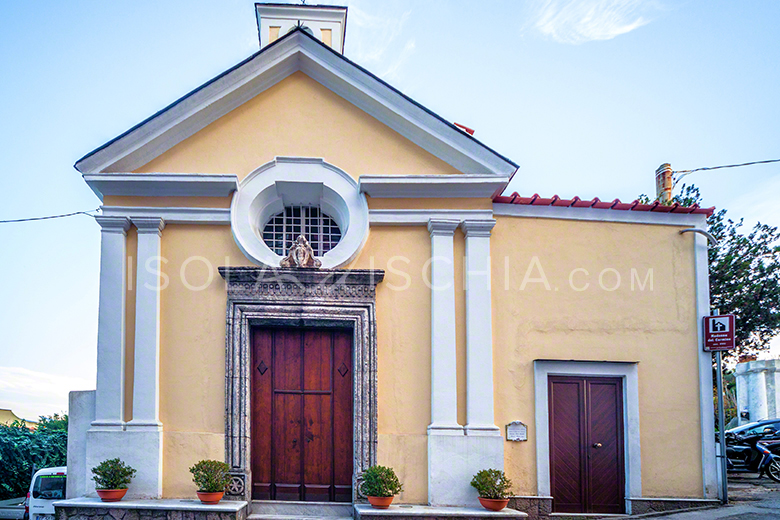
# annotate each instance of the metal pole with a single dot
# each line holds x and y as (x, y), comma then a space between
(722, 430)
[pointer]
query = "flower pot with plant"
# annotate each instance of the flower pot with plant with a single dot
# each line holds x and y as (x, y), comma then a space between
(111, 479)
(211, 477)
(493, 488)
(380, 485)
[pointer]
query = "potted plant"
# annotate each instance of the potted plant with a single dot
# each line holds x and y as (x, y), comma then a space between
(493, 488)
(380, 485)
(211, 477)
(111, 479)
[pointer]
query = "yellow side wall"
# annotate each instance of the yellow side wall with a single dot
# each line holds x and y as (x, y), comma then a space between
(298, 117)
(130, 264)
(655, 328)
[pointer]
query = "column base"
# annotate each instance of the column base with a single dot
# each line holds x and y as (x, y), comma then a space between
(107, 425)
(452, 463)
(483, 430)
(150, 426)
(445, 429)
(142, 450)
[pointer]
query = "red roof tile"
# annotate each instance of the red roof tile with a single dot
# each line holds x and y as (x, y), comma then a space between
(616, 204)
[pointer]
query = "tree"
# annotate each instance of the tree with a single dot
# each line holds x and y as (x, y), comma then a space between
(21, 450)
(744, 275)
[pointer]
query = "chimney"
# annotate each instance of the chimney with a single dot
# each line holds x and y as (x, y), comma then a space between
(663, 183)
(327, 23)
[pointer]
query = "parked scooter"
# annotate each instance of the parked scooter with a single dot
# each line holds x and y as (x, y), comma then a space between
(755, 453)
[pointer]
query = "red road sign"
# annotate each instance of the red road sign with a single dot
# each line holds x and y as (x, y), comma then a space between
(719, 332)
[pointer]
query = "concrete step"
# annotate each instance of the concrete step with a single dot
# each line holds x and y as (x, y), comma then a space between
(295, 517)
(266, 509)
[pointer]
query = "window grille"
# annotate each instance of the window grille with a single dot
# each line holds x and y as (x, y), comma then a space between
(283, 229)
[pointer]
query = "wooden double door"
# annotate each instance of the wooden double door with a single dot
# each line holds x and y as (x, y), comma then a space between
(586, 444)
(302, 414)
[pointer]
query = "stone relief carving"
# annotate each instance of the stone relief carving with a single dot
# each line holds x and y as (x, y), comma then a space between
(259, 296)
(301, 255)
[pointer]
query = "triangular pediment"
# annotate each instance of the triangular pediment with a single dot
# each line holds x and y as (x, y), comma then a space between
(297, 51)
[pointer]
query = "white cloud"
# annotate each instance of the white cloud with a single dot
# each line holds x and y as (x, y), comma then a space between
(580, 21)
(30, 393)
(374, 36)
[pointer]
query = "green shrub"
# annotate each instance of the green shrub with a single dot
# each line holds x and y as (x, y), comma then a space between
(492, 483)
(22, 450)
(112, 474)
(211, 476)
(380, 481)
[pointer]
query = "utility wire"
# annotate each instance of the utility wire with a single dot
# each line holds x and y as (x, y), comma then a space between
(87, 213)
(688, 172)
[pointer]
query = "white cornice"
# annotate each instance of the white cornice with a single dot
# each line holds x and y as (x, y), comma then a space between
(161, 184)
(419, 217)
(601, 215)
(219, 216)
(431, 186)
(296, 51)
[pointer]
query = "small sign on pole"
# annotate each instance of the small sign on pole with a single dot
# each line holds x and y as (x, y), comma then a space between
(719, 333)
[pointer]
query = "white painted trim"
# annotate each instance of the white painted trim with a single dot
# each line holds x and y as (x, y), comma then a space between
(219, 216)
(431, 186)
(630, 374)
(710, 473)
(599, 215)
(109, 394)
(294, 181)
(161, 184)
(444, 392)
(295, 52)
(420, 217)
(479, 330)
(146, 369)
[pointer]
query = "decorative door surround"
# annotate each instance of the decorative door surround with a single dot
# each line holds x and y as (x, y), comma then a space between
(298, 297)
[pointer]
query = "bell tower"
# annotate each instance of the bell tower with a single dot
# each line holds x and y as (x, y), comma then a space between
(326, 23)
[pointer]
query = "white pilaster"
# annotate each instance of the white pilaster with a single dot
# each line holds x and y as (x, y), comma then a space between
(479, 329)
(444, 400)
(109, 395)
(146, 378)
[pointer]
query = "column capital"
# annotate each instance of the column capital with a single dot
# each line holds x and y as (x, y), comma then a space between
(442, 227)
(151, 225)
(113, 224)
(478, 228)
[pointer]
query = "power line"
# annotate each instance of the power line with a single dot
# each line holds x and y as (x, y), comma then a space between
(87, 213)
(688, 172)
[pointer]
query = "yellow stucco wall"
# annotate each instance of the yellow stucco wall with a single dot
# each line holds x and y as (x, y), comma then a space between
(403, 312)
(131, 256)
(168, 202)
(298, 117)
(655, 328)
(192, 353)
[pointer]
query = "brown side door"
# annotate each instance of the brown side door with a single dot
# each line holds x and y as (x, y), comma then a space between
(586, 444)
(302, 414)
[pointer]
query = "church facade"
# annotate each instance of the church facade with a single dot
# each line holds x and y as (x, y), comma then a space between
(304, 273)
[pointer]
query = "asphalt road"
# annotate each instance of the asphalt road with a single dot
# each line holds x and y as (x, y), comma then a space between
(750, 498)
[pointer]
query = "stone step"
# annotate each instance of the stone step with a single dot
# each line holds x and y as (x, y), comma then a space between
(254, 516)
(413, 512)
(288, 510)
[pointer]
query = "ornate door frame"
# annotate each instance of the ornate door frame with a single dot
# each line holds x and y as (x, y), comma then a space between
(259, 296)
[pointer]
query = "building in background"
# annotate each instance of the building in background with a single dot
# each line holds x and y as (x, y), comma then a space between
(8, 417)
(424, 322)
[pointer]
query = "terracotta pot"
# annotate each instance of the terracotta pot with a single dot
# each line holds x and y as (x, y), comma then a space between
(380, 502)
(493, 504)
(210, 498)
(111, 495)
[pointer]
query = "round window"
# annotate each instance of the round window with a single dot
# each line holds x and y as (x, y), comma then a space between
(283, 228)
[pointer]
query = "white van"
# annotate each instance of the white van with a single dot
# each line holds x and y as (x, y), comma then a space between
(47, 487)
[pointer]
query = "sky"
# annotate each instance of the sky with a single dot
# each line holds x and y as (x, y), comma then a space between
(589, 97)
